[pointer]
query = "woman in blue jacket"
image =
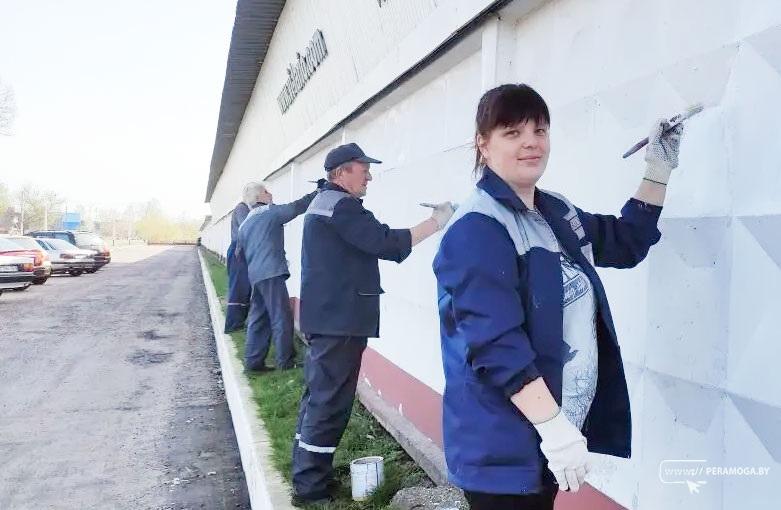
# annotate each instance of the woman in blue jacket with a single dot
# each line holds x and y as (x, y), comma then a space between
(533, 370)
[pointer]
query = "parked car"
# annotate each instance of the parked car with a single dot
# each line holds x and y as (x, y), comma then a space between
(81, 238)
(27, 247)
(16, 273)
(67, 258)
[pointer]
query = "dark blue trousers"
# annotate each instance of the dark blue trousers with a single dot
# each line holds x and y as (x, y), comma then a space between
(269, 318)
(238, 291)
(331, 367)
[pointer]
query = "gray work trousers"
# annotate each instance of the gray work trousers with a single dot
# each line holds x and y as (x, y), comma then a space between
(331, 367)
(269, 317)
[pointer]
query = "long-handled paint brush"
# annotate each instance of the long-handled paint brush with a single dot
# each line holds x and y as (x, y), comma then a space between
(690, 112)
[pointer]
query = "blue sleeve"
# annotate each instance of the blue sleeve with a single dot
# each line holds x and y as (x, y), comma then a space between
(477, 265)
(622, 242)
(237, 217)
(358, 227)
(240, 241)
(287, 212)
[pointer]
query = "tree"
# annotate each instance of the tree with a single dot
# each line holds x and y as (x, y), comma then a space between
(25, 197)
(113, 224)
(156, 227)
(7, 109)
(52, 205)
(5, 198)
(6, 209)
(39, 209)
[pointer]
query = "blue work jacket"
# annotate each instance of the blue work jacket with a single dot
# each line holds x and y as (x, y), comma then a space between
(340, 273)
(500, 295)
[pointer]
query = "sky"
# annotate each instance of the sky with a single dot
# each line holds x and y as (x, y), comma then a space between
(117, 101)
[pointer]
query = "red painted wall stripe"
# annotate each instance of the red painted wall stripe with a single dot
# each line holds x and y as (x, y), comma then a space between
(419, 403)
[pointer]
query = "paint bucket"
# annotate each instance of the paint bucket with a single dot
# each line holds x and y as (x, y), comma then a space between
(366, 473)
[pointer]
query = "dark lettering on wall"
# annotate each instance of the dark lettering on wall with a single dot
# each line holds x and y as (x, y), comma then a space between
(302, 69)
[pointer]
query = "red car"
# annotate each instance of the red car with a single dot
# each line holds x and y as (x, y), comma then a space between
(23, 246)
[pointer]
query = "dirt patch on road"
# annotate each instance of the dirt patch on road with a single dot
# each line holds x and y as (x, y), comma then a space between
(152, 334)
(144, 357)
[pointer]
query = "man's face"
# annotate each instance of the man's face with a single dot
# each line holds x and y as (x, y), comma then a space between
(266, 197)
(355, 179)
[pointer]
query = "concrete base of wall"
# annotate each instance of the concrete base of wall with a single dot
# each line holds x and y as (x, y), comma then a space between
(267, 489)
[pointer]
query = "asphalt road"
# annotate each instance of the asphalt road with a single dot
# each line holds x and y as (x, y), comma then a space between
(110, 394)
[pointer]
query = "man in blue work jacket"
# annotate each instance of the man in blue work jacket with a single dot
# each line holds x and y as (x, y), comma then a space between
(262, 244)
(238, 282)
(340, 308)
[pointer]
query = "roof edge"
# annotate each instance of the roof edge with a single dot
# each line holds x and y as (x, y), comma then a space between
(253, 29)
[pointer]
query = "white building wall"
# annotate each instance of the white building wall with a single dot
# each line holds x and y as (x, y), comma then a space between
(425, 148)
(365, 53)
(424, 142)
(696, 320)
(693, 320)
(216, 236)
(297, 181)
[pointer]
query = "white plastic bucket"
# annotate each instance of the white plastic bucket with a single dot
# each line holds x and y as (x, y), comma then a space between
(366, 473)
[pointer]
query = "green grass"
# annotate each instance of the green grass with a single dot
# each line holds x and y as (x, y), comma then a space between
(277, 396)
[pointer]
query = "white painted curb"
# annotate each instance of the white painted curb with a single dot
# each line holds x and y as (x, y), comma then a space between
(267, 489)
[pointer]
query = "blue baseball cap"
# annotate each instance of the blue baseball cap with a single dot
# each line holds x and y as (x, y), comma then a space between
(345, 153)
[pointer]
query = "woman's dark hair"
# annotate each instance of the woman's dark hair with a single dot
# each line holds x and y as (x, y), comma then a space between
(507, 105)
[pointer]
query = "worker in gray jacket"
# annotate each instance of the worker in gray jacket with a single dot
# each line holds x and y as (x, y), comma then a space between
(261, 241)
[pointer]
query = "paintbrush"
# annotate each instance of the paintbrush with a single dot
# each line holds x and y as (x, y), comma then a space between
(434, 206)
(690, 112)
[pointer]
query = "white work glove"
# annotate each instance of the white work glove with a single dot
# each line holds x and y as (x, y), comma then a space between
(661, 154)
(442, 213)
(565, 448)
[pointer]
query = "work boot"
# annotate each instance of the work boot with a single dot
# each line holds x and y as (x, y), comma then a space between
(263, 369)
(291, 366)
(301, 502)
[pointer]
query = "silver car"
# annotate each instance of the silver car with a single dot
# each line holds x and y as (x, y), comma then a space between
(67, 258)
